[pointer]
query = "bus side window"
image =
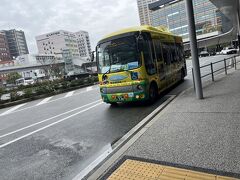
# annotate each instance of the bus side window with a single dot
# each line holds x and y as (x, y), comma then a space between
(177, 53)
(165, 53)
(171, 53)
(174, 53)
(148, 53)
(180, 51)
(157, 44)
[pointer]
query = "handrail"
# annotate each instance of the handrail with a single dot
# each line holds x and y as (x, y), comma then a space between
(225, 67)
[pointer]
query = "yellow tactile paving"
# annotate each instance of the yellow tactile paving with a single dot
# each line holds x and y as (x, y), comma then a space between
(138, 170)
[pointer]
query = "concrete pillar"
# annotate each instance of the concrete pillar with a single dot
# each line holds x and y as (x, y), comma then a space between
(238, 24)
(194, 49)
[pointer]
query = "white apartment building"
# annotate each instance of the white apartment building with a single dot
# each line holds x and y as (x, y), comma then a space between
(144, 12)
(56, 42)
(84, 45)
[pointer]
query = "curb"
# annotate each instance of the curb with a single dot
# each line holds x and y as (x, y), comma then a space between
(9, 104)
(132, 136)
(102, 168)
(126, 140)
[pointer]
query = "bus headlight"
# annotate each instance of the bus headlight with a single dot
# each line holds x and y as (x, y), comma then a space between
(140, 87)
(103, 90)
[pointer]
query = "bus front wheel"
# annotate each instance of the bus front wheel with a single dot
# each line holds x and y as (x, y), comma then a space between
(182, 75)
(153, 93)
(113, 104)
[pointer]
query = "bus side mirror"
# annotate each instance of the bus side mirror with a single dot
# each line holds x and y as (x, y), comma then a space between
(92, 56)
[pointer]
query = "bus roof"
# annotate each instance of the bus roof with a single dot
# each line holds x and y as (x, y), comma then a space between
(144, 28)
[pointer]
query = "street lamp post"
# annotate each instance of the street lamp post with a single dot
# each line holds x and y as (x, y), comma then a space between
(194, 49)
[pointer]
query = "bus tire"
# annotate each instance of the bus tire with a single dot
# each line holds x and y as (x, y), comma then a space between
(153, 93)
(113, 104)
(182, 75)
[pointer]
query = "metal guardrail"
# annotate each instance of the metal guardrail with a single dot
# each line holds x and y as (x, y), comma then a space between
(233, 64)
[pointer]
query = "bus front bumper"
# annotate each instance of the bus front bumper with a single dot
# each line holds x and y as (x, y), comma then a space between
(124, 97)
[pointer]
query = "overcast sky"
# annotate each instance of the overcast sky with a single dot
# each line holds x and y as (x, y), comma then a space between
(98, 17)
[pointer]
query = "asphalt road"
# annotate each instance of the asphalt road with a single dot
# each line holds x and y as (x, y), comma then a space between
(58, 137)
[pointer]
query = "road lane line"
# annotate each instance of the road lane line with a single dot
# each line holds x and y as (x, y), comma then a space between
(89, 88)
(69, 94)
(12, 109)
(44, 101)
(51, 101)
(49, 125)
(26, 127)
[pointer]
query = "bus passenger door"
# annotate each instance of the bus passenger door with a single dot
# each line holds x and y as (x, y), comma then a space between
(149, 56)
(167, 63)
(160, 64)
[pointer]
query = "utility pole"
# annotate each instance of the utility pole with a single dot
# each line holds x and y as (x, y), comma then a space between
(194, 49)
(238, 24)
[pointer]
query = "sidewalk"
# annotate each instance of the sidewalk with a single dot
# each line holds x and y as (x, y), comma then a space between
(201, 135)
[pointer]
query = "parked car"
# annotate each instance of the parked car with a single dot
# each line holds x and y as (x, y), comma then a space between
(204, 54)
(212, 53)
(229, 50)
(24, 81)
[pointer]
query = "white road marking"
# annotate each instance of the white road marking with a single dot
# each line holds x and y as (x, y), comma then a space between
(69, 94)
(44, 101)
(76, 94)
(26, 127)
(89, 88)
(12, 109)
(49, 125)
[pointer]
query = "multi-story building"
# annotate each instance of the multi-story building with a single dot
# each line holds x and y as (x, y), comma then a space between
(16, 42)
(209, 21)
(84, 45)
(35, 59)
(56, 42)
(144, 12)
(4, 50)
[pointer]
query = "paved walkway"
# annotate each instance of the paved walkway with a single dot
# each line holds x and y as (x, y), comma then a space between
(200, 134)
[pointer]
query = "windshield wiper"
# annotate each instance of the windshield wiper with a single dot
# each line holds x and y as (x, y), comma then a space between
(108, 71)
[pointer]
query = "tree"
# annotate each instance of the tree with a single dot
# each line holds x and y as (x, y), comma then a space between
(51, 67)
(12, 77)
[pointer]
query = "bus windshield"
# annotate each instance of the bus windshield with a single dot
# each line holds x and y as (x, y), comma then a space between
(118, 55)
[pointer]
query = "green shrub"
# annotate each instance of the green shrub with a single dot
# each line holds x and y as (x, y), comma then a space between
(2, 91)
(42, 90)
(75, 83)
(80, 81)
(95, 79)
(14, 96)
(28, 92)
(64, 85)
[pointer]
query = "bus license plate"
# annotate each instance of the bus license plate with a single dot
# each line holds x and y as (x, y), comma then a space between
(120, 98)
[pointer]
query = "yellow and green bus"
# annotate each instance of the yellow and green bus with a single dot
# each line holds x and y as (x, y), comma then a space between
(137, 64)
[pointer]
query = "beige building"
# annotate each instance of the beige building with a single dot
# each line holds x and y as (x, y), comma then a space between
(84, 45)
(56, 42)
(4, 49)
(143, 11)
